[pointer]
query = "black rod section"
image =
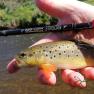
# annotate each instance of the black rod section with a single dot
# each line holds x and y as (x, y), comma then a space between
(49, 28)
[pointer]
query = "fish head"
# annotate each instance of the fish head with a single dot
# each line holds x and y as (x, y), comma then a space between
(23, 59)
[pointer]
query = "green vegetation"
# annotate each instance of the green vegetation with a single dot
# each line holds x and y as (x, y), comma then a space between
(24, 13)
(89, 1)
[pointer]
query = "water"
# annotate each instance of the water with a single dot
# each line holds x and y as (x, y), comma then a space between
(25, 81)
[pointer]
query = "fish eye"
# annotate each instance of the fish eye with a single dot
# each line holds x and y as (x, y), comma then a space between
(22, 54)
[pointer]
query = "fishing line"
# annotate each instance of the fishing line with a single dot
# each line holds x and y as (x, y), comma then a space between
(79, 80)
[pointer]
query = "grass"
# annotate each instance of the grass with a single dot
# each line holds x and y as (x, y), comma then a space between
(24, 13)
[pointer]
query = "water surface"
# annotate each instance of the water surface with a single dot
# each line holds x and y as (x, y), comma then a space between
(25, 81)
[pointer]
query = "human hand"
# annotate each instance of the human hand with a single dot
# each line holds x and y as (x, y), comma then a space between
(67, 11)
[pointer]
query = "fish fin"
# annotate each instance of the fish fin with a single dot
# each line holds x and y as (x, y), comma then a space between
(48, 67)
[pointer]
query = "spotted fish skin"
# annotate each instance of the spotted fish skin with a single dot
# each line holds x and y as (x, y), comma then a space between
(62, 54)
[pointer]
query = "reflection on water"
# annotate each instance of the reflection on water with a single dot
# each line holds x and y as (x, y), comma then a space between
(25, 81)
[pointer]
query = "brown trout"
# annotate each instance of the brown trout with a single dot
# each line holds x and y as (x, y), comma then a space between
(58, 55)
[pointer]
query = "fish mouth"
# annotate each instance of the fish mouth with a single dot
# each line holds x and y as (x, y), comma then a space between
(13, 66)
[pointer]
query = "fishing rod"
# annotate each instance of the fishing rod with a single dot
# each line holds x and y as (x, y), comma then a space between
(49, 28)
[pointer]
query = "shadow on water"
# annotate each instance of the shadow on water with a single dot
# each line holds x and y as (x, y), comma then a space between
(25, 81)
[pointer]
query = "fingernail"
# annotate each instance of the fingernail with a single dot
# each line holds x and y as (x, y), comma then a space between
(82, 84)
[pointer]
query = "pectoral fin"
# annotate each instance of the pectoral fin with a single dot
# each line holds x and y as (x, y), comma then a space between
(48, 67)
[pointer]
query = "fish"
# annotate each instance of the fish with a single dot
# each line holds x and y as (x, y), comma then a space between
(57, 55)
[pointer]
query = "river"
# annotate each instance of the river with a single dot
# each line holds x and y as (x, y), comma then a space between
(25, 80)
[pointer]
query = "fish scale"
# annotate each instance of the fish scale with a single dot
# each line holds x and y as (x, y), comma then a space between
(62, 54)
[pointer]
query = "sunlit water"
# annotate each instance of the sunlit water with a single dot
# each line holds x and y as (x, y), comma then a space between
(25, 81)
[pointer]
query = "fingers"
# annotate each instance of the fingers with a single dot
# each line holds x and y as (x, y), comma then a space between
(71, 11)
(73, 78)
(88, 72)
(12, 66)
(85, 36)
(47, 78)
